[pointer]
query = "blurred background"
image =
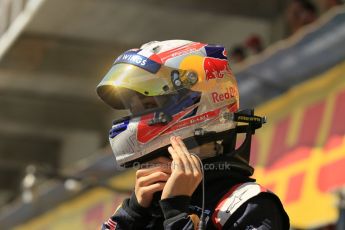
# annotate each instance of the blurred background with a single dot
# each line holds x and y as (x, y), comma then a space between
(56, 168)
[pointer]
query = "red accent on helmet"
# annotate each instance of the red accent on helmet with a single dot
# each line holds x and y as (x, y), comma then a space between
(147, 133)
(164, 56)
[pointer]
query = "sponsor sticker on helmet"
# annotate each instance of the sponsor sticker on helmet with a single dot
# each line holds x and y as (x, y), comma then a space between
(218, 97)
(132, 57)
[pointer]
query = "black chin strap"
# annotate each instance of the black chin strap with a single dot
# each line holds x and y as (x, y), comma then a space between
(239, 158)
(253, 122)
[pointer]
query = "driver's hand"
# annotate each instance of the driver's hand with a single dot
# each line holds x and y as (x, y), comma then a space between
(150, 179)
(185, 171)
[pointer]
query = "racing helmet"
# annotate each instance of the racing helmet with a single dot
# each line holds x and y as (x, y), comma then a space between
(173, 87)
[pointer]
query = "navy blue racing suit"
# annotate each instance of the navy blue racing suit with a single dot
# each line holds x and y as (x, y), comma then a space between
(263, 211)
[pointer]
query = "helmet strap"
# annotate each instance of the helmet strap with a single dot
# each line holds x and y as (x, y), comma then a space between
(242, 153)
(239, 158)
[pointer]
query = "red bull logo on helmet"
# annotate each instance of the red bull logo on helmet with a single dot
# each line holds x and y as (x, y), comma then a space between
(216, 68)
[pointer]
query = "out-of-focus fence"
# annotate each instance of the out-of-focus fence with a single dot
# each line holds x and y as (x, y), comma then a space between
(14, 16)
(9, 11)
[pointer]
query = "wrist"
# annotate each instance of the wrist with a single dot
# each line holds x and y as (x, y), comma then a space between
(136, 206)
(174, 206)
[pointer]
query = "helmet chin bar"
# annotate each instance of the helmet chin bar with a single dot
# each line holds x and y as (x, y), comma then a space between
(238, 158)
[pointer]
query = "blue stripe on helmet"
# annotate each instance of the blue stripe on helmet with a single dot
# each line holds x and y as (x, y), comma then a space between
(215, 51)
(118, 128)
